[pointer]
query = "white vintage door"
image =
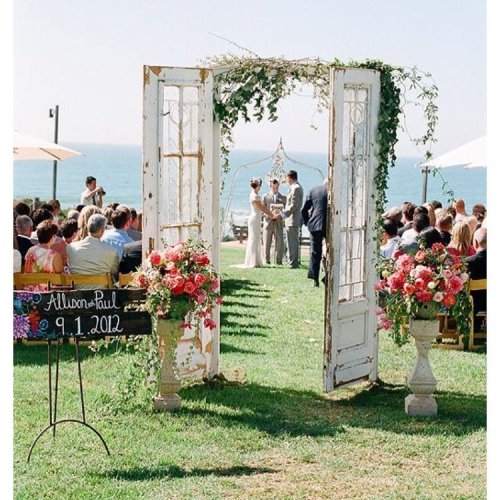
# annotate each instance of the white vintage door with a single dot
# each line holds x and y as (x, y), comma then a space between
(181, 183)
(351, 340)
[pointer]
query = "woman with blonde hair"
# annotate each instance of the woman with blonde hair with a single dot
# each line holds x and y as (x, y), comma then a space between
(83, 220)
(431, 213)
(460, 243)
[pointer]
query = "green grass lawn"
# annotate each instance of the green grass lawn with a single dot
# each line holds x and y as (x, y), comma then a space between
(275, 436)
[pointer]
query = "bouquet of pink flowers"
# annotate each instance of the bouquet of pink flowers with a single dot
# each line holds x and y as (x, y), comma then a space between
(181, 283)
(432, 278)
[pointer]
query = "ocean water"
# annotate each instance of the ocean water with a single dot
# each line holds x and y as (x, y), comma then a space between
(118, 169)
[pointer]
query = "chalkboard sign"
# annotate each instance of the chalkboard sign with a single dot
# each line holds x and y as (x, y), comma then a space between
(86, 314)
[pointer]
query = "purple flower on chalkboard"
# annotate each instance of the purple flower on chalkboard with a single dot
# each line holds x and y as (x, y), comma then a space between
(21, 327)
(24, 296)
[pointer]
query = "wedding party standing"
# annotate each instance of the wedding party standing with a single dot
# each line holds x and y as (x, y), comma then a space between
(253, 257)
(273, 228)
(293, 218)
(314, 214)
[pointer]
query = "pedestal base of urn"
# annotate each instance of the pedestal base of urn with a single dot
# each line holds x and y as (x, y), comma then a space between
(420, 406)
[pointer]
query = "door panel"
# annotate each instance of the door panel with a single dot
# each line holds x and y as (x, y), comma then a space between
(351, 342)
(181, 183)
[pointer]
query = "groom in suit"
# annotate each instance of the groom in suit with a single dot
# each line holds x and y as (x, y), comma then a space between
(293, 218)
(314, 215)
(273, 227)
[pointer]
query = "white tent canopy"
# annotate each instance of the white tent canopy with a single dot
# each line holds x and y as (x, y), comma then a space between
(27, 147)
(470, 155)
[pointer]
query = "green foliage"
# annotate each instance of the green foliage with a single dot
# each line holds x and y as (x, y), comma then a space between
(251, 88)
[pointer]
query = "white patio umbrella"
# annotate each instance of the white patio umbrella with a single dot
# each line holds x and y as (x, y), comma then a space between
(470, 155)
(27, 147)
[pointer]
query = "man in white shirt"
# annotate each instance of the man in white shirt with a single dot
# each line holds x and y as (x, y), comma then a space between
(390, 238)
(91, 255)
(93, 194)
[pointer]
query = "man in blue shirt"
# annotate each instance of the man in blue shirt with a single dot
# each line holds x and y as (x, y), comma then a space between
(118, 237)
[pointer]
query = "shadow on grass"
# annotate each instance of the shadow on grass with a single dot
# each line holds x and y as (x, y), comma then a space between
(231, 287)
(279, 411)
(174, 471)
(226, 348)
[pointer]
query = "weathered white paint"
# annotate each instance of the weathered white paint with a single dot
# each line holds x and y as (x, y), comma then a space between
(181, 182)
(351, 340)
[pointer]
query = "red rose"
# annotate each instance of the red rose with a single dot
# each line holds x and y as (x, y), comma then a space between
(176, 282)
(424, 296)
(455, 284)
(178, 290)
(189, 288)
(201, 297)
(409, 288)
(214, 285)
(449, 300)
(155, 258)
(218, 300)
(209, 323)
(420, 256)
(203, 259)
(199, 279)
(437, 248)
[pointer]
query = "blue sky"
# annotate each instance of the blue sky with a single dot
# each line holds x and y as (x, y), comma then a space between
(87, 56)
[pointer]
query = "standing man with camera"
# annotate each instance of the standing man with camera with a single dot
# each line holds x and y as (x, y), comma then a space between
(93, 194)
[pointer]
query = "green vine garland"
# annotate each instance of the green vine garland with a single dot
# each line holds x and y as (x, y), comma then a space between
(251, 87)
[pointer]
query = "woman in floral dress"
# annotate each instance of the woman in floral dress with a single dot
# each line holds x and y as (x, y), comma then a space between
(41, 258)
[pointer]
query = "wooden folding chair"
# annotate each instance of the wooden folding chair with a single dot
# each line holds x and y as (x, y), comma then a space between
(21, 280)
(97, 280)
(476, 286)
(124, 279)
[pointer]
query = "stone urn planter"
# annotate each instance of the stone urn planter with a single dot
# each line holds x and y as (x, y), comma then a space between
(169, 332)
(421, 379)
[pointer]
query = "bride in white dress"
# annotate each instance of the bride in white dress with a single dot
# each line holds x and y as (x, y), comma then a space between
(253, 256)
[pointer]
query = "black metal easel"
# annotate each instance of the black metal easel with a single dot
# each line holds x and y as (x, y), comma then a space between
(53, 422)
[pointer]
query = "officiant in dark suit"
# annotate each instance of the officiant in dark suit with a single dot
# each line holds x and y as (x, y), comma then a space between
(273, 228)
(314, 214)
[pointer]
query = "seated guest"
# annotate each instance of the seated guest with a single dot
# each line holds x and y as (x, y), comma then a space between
(39, 216)
(420, 222)
(24, 226)
(444, 224)
(56, 210)
(452, 212)
(460, 243)
(108, 212)
(428, 237)
(479, 212)
(472, 223)
(410, 235)
(390, 238)
(408, 209)
(132, 257)
(83, 218)
(117, 237)
(21, 208)
(477, 270)
(436, 204)
(47, 206)
(73, 214)
(91, 255)
(18, 259)
(459, 207)
(42, 258)
(69, 229)
(430, 213)
(79, 208)
(133, 230)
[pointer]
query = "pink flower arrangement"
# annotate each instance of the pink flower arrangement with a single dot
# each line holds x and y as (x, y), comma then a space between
(181, 283)
(430, 276)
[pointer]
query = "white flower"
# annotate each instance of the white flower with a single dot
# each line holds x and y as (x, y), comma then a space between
(386, 274)
(464, 277)
(431, 285)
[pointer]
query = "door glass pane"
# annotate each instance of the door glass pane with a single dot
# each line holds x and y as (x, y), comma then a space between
(353, 202)
(190, 120)
(171, 131)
